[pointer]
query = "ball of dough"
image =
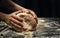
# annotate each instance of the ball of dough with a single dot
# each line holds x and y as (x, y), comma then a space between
(28, 21)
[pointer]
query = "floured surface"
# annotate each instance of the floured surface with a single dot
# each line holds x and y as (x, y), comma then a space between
(46, 28)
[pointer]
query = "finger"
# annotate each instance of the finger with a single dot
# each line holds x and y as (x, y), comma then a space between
(21, 11)
(16, 22)
(24, 11)
(17, 18)
(36, 20)
(15, 26)
(17, 12)
(33, 14)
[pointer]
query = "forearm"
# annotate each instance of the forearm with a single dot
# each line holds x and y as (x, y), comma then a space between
(11, 5)
(16, 6)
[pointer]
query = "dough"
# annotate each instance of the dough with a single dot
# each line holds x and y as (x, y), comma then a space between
(28, 21)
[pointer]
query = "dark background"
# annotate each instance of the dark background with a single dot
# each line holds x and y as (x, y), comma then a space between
(43, 8)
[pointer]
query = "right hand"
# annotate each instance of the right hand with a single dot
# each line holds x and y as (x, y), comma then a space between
(14, 21)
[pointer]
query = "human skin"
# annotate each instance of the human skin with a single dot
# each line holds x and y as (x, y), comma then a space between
(12, 18)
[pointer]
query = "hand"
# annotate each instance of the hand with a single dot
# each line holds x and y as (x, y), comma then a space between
(15, 21)
(33, 14)
(29, 12)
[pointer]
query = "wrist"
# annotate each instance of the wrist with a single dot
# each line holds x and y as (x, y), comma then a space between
(2, 16)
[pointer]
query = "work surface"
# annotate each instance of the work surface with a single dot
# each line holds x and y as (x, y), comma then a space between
(46, 28)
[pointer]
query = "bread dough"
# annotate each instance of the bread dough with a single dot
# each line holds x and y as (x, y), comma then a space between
(28, 21)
